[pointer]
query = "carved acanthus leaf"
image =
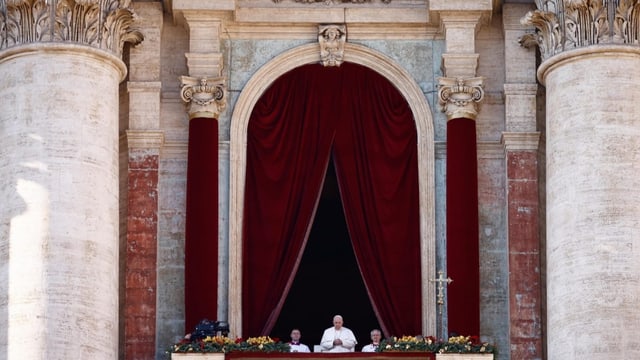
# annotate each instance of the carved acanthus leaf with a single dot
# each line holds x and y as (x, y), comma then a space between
(568, 24)
(103, 24)
(548, 34)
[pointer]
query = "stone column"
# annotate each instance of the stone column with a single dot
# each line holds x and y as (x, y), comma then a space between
(459, 92)
(60, 68)
(591, 74)
(204, 91)
(520, 140)
(459, 98)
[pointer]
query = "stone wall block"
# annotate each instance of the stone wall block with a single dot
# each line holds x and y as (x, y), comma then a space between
(522, 165)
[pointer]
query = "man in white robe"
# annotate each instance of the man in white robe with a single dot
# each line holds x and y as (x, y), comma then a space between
(295, 344)
(338, 338)
(376, 335)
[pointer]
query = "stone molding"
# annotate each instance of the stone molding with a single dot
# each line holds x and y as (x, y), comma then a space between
(145, 139)
(459, 98)
(520, 89)
(102, 24)
(520, 141)
(206, 97)
(563, 25)
(332, 39)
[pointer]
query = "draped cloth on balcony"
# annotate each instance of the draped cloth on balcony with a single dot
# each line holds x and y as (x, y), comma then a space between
(359, 118)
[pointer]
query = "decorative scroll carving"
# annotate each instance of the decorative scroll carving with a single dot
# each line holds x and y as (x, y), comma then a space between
(207, 97)
(331, 2)
(568, 24)
(103, 24)
(459, 98)
(332, 39)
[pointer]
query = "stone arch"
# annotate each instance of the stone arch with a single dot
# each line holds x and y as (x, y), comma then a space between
(406, 85)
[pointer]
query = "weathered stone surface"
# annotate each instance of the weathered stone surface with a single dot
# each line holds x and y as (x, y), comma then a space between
(59, 216)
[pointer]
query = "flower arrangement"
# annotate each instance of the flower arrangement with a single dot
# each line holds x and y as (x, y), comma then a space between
(260, 344)
(456, 344)
(409, 343)
(223, 344)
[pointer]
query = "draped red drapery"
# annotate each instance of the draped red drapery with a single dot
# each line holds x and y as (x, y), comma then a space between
(201, 228)
(463, 260)
(359, 118)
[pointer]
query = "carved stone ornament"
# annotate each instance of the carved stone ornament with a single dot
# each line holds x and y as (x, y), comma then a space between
(568, 24)
(332, 39)
(103, 24)
(331, 2)
(459, 98)
(206, 97)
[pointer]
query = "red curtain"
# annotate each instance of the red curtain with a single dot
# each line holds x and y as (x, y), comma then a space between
(376, 165)
(463, 260)
(201, 228)
(291, 133)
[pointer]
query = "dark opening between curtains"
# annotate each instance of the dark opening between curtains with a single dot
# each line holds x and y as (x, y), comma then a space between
(309, 306)
(357, 117)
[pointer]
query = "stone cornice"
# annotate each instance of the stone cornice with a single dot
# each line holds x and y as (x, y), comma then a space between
(145, 139)
(563, 25)
(459, 98)
(102, 24)
(520, 141)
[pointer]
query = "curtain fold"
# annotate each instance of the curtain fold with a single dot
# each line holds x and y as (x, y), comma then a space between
(290, 137)
(375, 153)
(288, 144)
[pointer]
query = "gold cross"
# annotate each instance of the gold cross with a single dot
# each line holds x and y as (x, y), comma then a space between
(441, 280)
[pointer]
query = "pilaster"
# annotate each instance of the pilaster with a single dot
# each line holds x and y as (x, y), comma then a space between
(145, 141)
(521, 142)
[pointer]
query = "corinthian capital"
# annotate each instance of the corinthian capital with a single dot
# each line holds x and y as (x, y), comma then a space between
(459, 98)
(568, 24)
(103, 24)
(206, 97)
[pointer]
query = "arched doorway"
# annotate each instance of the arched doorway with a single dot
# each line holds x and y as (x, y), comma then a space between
(423, 122)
